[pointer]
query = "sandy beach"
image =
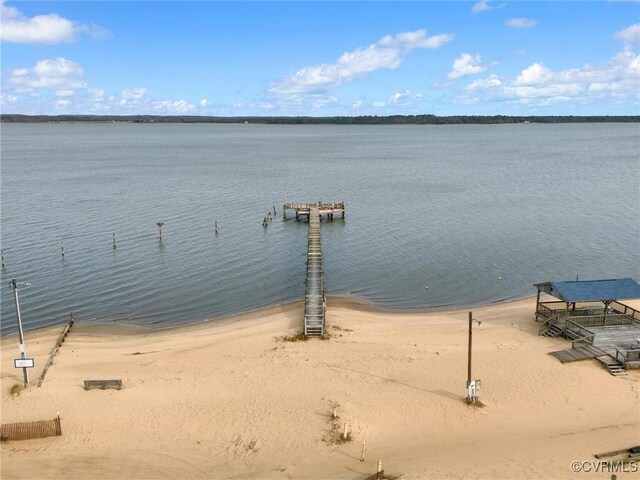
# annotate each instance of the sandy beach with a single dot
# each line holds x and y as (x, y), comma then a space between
(231, 399)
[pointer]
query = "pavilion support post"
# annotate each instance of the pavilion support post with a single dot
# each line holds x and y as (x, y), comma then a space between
(537, 304)
(566, 317)
(606, 307)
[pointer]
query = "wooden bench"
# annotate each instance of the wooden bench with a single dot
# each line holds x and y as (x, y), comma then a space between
(102, 384)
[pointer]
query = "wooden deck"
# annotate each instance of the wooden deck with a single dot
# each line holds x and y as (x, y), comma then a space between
(303, 210)
(577, 354)
(615, 336)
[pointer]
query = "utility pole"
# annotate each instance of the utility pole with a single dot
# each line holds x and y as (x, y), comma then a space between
(469, 354)
(472, 385)
(23, 355)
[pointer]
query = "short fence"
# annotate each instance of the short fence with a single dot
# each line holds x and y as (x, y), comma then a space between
(29, 430)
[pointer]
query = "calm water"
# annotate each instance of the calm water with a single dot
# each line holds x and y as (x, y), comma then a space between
(476, 213)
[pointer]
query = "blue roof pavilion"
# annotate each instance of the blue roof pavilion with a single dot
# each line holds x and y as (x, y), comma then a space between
(592, 290)
(590, 314)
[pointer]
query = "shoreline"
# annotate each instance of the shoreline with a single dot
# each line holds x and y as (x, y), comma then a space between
(348, 301)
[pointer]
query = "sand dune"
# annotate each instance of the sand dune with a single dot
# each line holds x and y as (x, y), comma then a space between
(231, 399)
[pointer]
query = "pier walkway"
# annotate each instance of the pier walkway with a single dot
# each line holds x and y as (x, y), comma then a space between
(314, 303)
(314, 298)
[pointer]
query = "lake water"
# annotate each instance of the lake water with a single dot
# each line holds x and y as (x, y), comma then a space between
(477, 213)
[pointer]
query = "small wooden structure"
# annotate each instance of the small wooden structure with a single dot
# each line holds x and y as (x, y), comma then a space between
(590, 313)
(102, 384)
(303, 210)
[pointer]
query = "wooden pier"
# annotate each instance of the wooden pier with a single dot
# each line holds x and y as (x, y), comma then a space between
(314, 303)
(303, 210)
(314, 298)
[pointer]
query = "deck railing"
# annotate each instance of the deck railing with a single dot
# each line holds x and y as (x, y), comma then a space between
(611, 319)
(589, 314)
(629, 357)
(578, 332)
(626, 310)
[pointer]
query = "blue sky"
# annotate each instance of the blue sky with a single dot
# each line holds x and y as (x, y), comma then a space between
(321, 58)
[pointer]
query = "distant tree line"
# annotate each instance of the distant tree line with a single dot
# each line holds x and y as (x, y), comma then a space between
(360, 120)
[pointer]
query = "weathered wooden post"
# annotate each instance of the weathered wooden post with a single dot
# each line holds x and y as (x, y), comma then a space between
(113, 240)
(2, 257)
(344, 434)
(160, 225)
(274, 210)
(216, 227)
(62, 249)
(362, 454)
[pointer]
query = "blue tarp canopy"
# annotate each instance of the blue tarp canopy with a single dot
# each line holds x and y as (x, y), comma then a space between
(592, 290)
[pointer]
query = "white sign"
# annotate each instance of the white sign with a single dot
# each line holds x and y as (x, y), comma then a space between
(24, 363)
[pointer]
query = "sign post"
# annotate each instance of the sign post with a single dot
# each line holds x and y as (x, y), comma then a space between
(23, 355)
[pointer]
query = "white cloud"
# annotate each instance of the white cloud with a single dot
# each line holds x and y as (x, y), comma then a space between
(58, 67)
(204, 102)
(483, 5)
(388, 53)
(96, 94)
(57, 74)
(617, 80)
(521, 22)
(253, 106)
(41, 29)
(133, 94)
(324, 101)
(7, 99)
(534, 74)
(466, 64)
(57, 84)
(630, 36)
(65, 93)
(405, 97)
(480, 6)
(169, 107)
(357, 105)
(379, 104)
(62, 103)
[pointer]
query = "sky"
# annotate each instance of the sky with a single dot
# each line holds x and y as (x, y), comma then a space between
(485, 57)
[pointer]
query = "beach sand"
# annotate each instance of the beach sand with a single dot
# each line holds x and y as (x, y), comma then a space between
(231, 399)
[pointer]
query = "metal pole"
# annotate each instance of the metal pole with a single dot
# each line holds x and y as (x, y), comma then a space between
(469, 357)
(23, 355)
